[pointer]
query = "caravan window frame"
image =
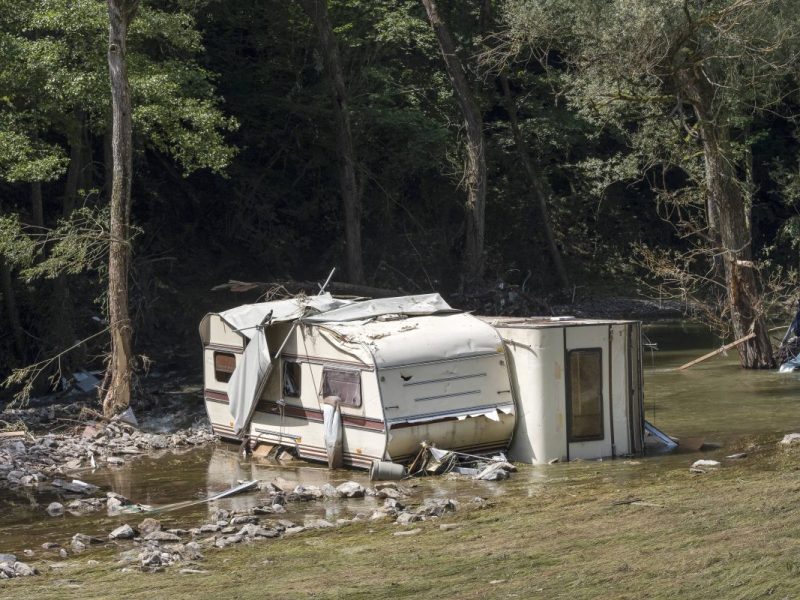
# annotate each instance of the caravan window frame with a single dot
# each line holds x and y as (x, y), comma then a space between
(222, 375)
(593, 352)
(355, 402)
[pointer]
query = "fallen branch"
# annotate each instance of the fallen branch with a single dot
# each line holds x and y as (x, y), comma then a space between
(692, 363)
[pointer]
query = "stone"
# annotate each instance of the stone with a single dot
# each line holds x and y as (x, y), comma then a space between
(115, 460)
(436, 507)
(737, 456)
(406, 518)
(408, 532)
(149, 525)
(318, 524)
(329, 491)
(123, 532)
(294, 530)
(55, 509)
(209, 528)
(159, 442)
(8, 558)
(50, 546)
(228, 540)
(254, 531)
(86, 539)
(448, 526)
(790, 439)
(161, 536)
(351, 489)
(243, 520)
(28, 552)
(191, 551)
(705, 463)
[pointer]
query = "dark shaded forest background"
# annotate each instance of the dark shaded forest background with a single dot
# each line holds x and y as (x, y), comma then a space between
(236, 167)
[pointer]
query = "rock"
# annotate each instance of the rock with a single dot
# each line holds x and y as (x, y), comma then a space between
(191, 551)
(161, 536)
(55, 509)
(77, 486)
(388, 492)
(129, 556)
(77, 546)
(436, 507)
(318, 524)
(149, 525)
(408, 532)
(228, 540)
(705, 463)
(8, 558)
(86, 539)
(350, 489)
(209, 528)
(243, 520)
(159, 442)
(123, 532)
(294, 530)
(29, 553)
(115, 460)
(48, 546)
(284, 485)
(448, 526)
(63, 553)
(329, 491)
(406, 518)
(790, 439)
(254, 531)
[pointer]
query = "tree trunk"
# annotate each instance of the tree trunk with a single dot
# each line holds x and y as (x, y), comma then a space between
(475, 169)
(728, 214)
(537, 182)
(120, 366)
(727, 204)
(317, 11)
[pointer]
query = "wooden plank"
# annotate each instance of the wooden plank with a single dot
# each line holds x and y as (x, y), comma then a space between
(692, 363)
(12, 435)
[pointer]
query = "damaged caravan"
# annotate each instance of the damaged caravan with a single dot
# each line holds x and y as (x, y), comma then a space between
(354, 382)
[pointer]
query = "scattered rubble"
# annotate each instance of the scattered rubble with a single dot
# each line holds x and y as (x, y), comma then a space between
(35, 460)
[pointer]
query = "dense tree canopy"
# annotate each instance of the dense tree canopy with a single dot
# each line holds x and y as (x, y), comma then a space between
(600, 122)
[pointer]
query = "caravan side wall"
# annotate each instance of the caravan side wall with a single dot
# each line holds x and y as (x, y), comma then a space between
(223, 349)
(596, 362)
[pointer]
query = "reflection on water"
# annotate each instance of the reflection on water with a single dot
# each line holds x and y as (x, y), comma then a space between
(715, 399)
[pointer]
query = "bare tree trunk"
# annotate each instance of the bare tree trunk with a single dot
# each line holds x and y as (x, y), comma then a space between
(475, 169)
(120, 366)
(317, 11)
(727, 204)
(538, 183)
(728, 214)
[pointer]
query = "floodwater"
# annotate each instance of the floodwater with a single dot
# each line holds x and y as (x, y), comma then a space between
(715, 400)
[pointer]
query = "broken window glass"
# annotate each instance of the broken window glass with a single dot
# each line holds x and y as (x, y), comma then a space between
(291, 379)
(585, 394)
(344, 384)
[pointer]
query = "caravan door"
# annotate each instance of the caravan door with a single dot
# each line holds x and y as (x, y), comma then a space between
(588, 394)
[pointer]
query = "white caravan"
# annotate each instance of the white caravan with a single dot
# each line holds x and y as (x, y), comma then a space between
(353, 382)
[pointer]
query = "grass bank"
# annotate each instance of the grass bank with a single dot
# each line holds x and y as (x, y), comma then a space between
(732, 533)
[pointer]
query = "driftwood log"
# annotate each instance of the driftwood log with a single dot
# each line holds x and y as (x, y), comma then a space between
(311, 288)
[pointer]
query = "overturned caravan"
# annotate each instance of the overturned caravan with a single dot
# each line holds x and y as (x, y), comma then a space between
(353, 382)
(350, 383)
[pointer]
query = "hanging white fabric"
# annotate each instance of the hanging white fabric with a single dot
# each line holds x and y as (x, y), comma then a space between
(248, 379)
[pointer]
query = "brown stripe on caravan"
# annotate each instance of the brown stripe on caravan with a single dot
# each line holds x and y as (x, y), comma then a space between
(324, 361)
(310, 414)
(216, 396)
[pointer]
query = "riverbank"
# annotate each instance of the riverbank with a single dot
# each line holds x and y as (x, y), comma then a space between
(727, 533)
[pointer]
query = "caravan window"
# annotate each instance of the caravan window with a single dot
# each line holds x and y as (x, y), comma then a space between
(291, 379)
(345, 384)
(585, 394)
(224, 365)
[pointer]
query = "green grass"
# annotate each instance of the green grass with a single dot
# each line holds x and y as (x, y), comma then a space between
(727, 534)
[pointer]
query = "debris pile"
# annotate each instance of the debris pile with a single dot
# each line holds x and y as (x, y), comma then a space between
(436, 461)
(29, 460)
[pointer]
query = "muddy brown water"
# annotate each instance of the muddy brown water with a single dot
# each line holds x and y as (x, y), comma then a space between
(715, 400)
